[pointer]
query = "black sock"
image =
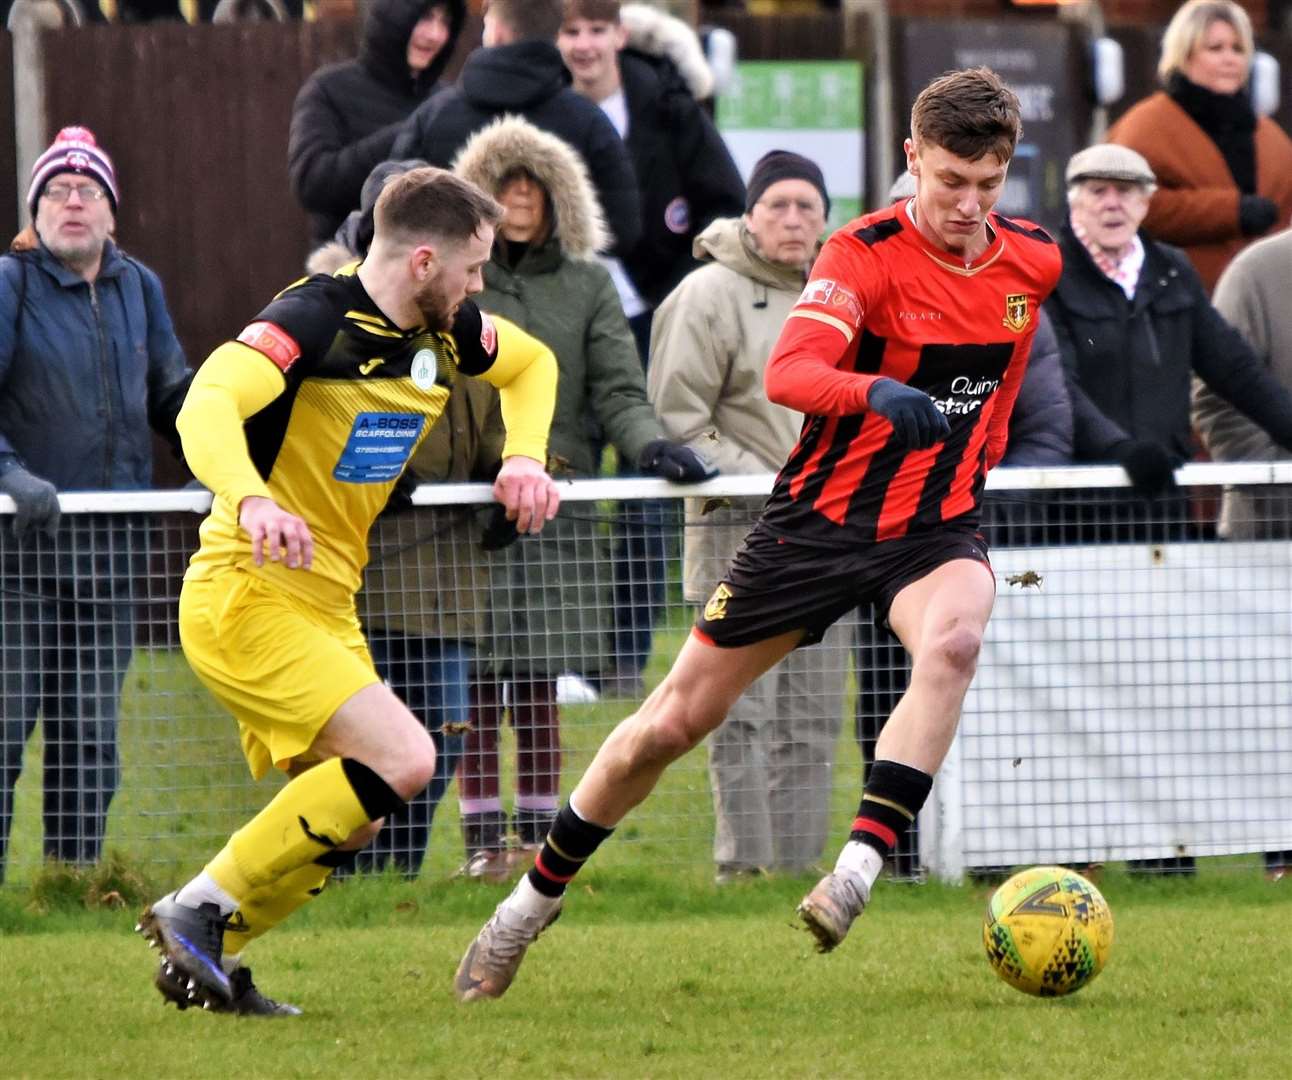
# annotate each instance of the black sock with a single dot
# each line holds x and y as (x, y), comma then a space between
(889, 802)
(569, 844)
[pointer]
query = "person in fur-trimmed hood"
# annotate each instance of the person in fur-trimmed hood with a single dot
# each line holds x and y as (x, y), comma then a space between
(547, 608)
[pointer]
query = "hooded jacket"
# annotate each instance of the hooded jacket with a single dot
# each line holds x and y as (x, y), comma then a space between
(546, 619)
(528, 79)
(685, 172)
(86, 369)
(710, 341)
(347, 115)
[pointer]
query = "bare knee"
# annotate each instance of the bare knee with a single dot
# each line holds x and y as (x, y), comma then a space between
(953, 653)
(678, 725)
(414, 769)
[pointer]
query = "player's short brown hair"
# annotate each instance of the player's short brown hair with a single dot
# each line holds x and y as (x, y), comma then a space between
(592, 10)
(530, 20)
(970, 113)
(431, 203)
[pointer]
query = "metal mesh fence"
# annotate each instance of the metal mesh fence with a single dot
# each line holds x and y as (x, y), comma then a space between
(1134, 697)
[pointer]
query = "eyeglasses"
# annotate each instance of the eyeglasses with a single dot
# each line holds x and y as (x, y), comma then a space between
(781, 207)
(60, 193)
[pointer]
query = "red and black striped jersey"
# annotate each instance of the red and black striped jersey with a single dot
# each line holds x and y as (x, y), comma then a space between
(882, 301)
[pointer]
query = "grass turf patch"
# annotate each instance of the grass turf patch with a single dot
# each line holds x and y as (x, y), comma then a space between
(643, 977)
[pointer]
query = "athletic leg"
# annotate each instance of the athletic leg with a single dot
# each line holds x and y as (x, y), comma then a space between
(374, 754)
(940, 618)
(690, 702)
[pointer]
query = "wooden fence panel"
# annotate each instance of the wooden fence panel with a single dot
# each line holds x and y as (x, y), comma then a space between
(196, 120)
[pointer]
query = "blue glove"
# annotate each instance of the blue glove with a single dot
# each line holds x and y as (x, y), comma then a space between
(916, 420)
(674, 461)
(36, 501)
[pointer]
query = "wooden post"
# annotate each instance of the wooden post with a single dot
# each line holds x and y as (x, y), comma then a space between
(29, 121)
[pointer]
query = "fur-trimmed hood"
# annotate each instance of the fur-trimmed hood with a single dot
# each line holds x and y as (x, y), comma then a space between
(657, 33)
(511, 142)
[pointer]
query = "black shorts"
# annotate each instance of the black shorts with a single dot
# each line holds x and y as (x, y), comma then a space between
(775, 585)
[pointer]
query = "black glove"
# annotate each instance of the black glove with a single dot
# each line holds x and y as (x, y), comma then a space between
(498, 532)
(674, 461)
(916, 420)
(1150, 466)
(1256, 213)
(35, 499)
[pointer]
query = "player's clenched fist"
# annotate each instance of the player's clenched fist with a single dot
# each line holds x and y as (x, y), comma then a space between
(530, 496)
(275, 533)
(916, 420)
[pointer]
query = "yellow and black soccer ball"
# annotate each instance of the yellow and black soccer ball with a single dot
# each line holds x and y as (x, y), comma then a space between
(1047, 931)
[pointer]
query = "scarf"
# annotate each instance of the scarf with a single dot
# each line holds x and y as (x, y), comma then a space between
(1228, 120)
(1123, 274)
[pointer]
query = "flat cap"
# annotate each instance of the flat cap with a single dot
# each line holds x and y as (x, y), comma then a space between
(1109, 161)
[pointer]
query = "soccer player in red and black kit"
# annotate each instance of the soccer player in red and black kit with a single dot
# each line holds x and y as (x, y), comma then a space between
(905, 353)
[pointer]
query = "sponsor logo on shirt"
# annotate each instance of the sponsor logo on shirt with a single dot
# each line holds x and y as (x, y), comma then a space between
(966, 395)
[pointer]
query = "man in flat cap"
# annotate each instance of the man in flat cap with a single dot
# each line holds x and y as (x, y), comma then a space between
(1134, 323)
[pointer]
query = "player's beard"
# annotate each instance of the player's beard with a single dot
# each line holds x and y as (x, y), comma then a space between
(434, 304)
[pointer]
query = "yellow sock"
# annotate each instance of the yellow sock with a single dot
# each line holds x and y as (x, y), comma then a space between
(264, 908)
(313, 814)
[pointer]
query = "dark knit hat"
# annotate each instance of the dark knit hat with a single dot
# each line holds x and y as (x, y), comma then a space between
(74, 149)
(777, 165)
(378, 177)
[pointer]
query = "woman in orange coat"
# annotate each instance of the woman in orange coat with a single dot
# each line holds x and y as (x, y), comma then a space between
(1224, 176)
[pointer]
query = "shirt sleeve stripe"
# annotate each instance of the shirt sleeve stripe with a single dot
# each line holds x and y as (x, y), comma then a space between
(829, 320)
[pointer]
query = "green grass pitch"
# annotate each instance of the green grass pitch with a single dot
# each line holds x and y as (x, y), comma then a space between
(664, 975)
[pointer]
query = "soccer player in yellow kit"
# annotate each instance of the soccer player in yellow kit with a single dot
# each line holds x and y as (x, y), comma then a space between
(300, 428)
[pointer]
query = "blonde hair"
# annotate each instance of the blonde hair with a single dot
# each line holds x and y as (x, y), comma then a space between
(1188, 26)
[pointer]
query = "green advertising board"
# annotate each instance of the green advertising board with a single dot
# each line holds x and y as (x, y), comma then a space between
(813, 107)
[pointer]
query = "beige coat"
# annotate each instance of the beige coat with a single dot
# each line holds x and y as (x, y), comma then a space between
(1252, 295)
(710, 341)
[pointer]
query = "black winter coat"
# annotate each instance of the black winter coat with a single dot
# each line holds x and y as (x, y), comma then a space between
(347, 115)
(1129, 362)
(1040, 427)
(528, 79)
(684, 170)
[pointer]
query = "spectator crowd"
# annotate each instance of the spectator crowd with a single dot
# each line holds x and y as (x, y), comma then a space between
(659, 277)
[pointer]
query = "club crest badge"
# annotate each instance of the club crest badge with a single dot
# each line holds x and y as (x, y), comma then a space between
(424, 369)
(1017, 316)
(716, 608)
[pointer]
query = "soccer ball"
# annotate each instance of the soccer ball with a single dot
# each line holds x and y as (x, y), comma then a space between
(1047, 931)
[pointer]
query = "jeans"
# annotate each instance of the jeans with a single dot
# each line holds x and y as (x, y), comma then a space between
(431, 676)
(66, 638)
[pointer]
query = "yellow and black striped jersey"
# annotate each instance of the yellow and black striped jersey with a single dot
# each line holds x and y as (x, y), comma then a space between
(333, 398)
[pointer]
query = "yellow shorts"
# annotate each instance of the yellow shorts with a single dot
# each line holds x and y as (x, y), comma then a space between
(280, 664)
